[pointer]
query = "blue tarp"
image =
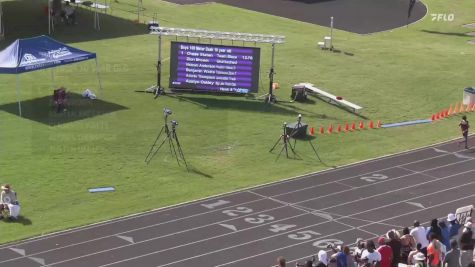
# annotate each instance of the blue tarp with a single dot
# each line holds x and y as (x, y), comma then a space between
(30, 54)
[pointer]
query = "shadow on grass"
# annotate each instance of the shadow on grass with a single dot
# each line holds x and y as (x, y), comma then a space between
(194, 170)
(446, 33)
(41, 109)
(27, 18)
(237, 104)
(21, 219)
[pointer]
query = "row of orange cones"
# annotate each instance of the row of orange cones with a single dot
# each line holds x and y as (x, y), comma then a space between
(347, 127)
(458, 109)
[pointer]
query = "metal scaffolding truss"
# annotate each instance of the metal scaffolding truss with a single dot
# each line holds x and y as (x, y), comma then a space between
(216, 35)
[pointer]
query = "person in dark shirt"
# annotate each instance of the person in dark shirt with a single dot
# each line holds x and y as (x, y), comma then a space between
(434, 228)
(466, 245)
(454, 225)
(464, 126)
(395, 245)
(452, 258)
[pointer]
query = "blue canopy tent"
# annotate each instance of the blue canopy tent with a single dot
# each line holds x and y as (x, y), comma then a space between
(41, 52)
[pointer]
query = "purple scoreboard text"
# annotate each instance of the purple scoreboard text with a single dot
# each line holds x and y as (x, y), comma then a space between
(214, 68)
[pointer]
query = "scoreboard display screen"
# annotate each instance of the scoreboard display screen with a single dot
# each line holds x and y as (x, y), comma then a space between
(214, 68)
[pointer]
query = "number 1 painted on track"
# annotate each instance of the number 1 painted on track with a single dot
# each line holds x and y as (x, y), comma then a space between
(216, 204)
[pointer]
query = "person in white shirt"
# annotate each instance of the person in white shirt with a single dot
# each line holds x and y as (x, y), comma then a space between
(8, 200)
(370, 256)
(419, 234)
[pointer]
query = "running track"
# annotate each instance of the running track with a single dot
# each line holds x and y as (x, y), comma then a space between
(293, 218)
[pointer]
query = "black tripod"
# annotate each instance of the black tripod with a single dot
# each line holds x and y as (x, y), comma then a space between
(285, 138)
(173, 143)
(294, 131)
(159, 89)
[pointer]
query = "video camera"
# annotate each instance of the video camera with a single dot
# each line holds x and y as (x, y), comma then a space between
(167, 111)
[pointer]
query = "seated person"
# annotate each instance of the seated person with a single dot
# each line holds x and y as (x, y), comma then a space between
(60, 99)
(69, 14)
(9, 201)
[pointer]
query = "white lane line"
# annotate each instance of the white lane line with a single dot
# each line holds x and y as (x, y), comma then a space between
(194, 202)
(133, 216)
(19, 251)
(377, 171)
(154, 238)
(383, 181)
(363, 162)
(403, 201)
(440, 150)
(419, 205)
(229, 226)
(219, 250)
(37, 260)
(326, 215)
(281, 248)
(340, 183)
(126, 238)
(179, 246)
(152, 253)
(220, 209)
(376, 235)
(263, 197)
(197, 201)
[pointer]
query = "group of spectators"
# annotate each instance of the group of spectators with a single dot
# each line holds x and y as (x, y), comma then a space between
(442, 244)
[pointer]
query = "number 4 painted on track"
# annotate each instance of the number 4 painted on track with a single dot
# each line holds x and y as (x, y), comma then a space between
(281, 227)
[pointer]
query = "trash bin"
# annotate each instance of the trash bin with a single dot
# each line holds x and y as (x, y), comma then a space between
(469, 96)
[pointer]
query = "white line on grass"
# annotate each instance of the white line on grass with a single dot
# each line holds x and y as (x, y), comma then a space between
(263, 197)
(256, 240)
(194, 202)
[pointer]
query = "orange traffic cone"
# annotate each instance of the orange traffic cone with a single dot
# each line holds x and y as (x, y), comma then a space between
(339, 128)
(347, 127)
(442, 114)
(322, 130)
(473, 107)
(446, 113)
(312, 131)
(330, 129)
(461, 109)
(371, 125)
(450, 110)
(433, 117)
(437, 116)
(353, 126)
(361, 125)
(468, 108)
(456, 110)
(378, 125)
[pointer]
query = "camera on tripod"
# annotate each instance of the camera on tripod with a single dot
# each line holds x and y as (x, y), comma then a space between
(174, 123)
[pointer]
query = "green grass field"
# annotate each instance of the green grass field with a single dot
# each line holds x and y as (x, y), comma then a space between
(52, 160)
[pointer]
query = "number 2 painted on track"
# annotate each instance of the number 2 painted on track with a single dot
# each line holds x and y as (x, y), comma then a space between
(237, 211)
(374, 177)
